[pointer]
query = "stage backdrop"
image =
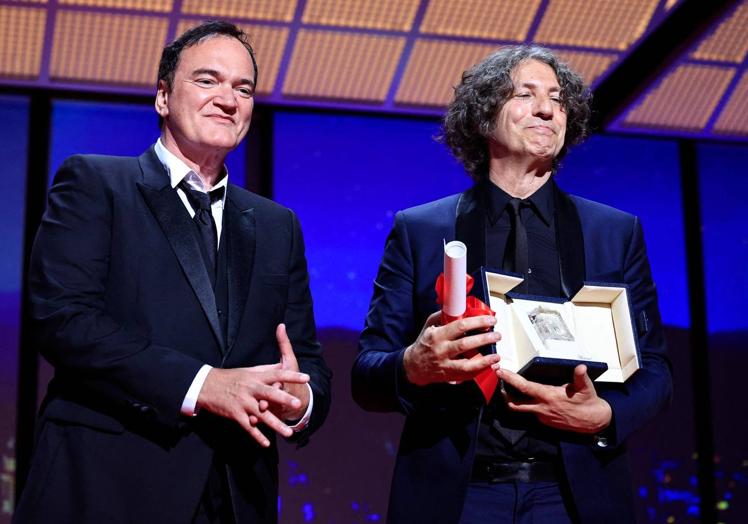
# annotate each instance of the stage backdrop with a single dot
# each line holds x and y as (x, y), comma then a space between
(346, 176)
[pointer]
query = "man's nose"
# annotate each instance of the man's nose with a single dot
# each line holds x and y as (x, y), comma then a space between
(226, 98)
(543, 107)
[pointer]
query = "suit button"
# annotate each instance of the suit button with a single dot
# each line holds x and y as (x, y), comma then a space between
(220, 312)
(147, 412)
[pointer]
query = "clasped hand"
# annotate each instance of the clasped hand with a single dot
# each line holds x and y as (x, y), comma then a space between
(436, 355)
(270, 394)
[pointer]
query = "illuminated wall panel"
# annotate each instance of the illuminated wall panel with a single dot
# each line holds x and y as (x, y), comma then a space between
(281, 10)
(729, 42)
(396, 15)
(342, 65)
(89, 46)
(612, 24)
(146, 5)
(507, 20)
(734, 116)
(588, 65)
(21, 41)
(697, 88)
(434, 68)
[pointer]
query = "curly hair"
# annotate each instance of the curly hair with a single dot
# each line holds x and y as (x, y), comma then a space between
(471, 117)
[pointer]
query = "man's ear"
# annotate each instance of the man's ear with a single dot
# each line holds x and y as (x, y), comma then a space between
(162, 99)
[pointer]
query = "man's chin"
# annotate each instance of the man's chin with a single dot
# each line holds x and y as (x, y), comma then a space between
(220, 141)
(544, 153)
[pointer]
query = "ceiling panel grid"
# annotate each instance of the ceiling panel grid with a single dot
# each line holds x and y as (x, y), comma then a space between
(703, 93)
(386, 55)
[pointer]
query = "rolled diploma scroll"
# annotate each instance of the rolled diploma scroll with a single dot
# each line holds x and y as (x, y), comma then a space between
(455, 278)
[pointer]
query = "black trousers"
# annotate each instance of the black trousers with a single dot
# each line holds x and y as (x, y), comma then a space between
(215, 503)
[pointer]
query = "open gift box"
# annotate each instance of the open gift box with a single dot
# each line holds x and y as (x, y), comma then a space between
(544, 339)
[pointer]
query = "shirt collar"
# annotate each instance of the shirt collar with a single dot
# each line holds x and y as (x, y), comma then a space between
(541, 201)
(179, 171)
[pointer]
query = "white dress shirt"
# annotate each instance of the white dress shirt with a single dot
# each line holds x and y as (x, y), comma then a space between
(179, 171)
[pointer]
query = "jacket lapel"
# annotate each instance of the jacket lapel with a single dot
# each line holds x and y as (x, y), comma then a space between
(470, 227)
(239, 224)
(175, 222)
(570, 242)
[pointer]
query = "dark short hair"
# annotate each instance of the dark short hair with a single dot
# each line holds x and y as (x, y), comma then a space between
(171, 53)
(471, 117)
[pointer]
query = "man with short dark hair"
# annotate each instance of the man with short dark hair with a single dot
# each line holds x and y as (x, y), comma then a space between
(175, 309)
(554, 453)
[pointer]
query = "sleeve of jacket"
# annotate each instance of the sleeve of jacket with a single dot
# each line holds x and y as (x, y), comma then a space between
(68, 285)
(300, 326)
(649, 390)
(378, 378)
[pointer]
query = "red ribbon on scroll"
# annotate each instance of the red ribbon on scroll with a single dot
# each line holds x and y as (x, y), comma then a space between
(486, 380)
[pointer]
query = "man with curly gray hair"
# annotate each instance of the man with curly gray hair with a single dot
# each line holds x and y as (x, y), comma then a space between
(536, 452)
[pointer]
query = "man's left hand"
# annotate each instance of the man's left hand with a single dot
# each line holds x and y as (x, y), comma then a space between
(573, 407)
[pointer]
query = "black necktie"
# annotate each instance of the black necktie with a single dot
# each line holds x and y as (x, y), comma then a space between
(204, 221)
(516, 256)
(505, 422)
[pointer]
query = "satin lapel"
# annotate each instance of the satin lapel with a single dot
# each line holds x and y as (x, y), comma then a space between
(570, 241)
(169, 212)
(470, 227)
(240, 226)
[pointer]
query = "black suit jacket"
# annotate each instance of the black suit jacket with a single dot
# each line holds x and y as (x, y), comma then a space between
(596, 243)
(125, 312)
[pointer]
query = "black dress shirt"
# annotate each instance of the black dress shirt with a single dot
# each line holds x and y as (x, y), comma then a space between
(543, 278)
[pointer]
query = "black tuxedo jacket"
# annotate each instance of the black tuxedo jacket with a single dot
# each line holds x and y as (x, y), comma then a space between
(125, 312)
(596, 243)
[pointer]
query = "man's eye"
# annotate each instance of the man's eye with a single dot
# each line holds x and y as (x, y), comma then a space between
(205, 82)
(246, 92)
(522, 95)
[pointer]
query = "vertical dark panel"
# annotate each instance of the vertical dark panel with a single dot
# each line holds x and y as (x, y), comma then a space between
(36, 187)
(259, 152)
(722, 192)
(699, 344)
(14, 114)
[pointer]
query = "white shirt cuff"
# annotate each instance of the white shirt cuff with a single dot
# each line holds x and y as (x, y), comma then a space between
(190, 399)
(304, 422)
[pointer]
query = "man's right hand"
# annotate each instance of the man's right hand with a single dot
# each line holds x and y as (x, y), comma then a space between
(243, 395)
(435, 356)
